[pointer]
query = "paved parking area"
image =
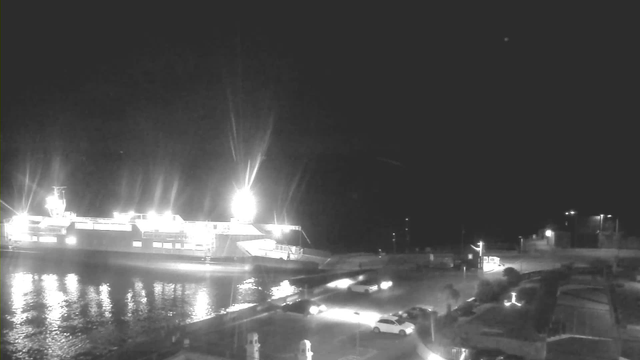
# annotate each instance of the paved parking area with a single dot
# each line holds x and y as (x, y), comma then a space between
(339, 333)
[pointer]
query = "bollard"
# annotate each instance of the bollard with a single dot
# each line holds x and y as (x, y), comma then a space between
(173, 339)
(253, 346)
(304, 352)
(185, 343)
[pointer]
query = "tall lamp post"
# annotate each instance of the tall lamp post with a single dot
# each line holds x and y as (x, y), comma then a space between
(406, 231)
(521, 244)
(393, 239)
(575, 225)
(617, 241)
(617, 223)
(480, 250)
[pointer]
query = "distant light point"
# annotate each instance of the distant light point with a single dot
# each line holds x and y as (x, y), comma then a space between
(506, 39)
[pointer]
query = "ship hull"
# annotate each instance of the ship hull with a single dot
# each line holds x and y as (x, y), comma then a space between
(157, 261)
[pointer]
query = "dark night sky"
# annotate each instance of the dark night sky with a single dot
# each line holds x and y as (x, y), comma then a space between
(499, 117)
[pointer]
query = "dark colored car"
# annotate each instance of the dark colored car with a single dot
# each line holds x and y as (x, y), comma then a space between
(466, 308)
(305, 307)
(416, 314)
(491, 354)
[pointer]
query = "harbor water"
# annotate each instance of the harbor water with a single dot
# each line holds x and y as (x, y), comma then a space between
(76, 310)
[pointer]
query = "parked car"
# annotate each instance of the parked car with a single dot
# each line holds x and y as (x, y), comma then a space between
(394, 325)
(466, 308)
(364, 286)
(305, 307)
(416, 314)
(491, 354)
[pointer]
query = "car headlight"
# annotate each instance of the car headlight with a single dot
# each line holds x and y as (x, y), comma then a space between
(385, 285)
(323, 308)
(434, 356)
(313, 310)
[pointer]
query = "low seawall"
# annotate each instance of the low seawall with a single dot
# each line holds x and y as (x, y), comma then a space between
(312, 286)
(346, 262)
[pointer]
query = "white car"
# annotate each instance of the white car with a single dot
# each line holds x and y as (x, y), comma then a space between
(364, 287)
(394, 325)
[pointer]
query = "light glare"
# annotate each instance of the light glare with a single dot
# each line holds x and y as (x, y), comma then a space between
(243, 205)
(434, 356)
(340, 284)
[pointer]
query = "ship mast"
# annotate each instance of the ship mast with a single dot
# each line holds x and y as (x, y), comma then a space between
(56, 203)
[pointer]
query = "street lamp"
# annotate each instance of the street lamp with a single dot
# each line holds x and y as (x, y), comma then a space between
(521, 244)
(393, 239)
(617, 222)
(575, 225)
(243, 205)
(480, 249)
(406, 231)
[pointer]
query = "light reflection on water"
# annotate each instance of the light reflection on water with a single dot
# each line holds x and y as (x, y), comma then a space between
(201, 308)
(62, 312)
(54, 299)
(283, 289)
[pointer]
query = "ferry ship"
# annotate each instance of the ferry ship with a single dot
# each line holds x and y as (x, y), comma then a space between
(151, 238)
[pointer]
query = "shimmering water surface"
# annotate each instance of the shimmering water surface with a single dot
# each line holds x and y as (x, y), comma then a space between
(78, 311)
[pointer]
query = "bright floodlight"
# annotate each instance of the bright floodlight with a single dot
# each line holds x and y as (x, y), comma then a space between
(548, 233)
(243, 206)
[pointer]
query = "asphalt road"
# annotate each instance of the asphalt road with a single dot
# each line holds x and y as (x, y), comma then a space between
(339, 333)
